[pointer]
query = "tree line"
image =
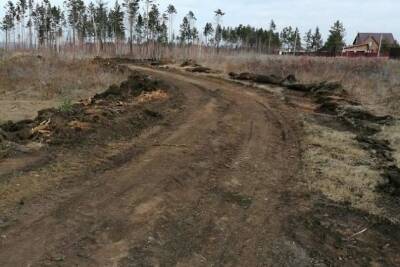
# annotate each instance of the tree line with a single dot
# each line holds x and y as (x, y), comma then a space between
(40, 24)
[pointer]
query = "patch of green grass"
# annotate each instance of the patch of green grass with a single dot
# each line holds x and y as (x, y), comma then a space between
(66, 106)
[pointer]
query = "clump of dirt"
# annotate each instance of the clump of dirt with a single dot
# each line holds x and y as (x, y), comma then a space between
(199, 69)
(191, 66)
(132, 87)
(189, 63)
(117, 63)
(258, 78)
(345, 235)
(72, 122)
(114, 64)
(289, 82)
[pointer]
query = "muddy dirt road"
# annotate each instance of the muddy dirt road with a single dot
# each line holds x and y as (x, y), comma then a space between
(211, 185)
(211, 175)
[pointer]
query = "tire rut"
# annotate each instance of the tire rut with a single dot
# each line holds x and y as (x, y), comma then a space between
(209, 193)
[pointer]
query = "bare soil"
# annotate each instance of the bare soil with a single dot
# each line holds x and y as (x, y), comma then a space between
(212, 175)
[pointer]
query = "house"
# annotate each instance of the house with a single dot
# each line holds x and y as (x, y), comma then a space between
(368, 44)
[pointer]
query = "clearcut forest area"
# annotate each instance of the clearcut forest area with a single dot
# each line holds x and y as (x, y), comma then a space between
(127, 140)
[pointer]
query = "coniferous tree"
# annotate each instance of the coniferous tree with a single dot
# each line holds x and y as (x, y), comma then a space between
(185, 30)
(7, 25)
(171, 10)
(101, 22)
(194, 34)
(30, 23)
(148, 4)
(335, 42)
(153, 22)
(208, 31)
(139, 29)
(297, 40)
(271, 34)
(286, 37)
(116, 19)
(22, 7)
(76, 12)
(132, 7)
(12, 13)
(316, 40)
(308, 39)
(218, 30)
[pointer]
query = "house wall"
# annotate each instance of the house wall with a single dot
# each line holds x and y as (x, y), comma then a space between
(373, 45)
(363, 48)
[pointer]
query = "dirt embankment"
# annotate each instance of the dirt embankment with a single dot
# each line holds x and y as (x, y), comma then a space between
(73, 121)
(120, 112)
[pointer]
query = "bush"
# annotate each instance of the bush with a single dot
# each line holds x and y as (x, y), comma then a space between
(66, 106)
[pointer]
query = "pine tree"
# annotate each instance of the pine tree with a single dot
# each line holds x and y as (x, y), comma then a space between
(132, 7)
(286, 37)
(30, 23)
(153, 22)
(208, 31)
(76, 12)
(91, 25)
(139, 29)
(271, 34)
(101, 22)
(40, 23)
(194, 34)
(163, 31)
(316, 40)
(171, 10)
(7, 25)
(12, 13)
(335, 42)
(308, 39)
(116, 19)
(297, 40)
(185, 30)
(218, 30)
(22, 6)
(146, 18)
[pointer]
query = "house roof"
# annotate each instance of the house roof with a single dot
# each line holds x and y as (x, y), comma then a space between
(362, 37)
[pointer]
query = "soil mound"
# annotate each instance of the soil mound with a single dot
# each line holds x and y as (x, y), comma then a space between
(70, 122)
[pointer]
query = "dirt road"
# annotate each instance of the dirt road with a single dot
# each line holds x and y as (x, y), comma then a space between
(211, 185)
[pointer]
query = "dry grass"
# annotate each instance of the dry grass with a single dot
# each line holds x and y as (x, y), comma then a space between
(29, 83)
(375, 82)
(392, 134)
(340, 169)
(157, 95)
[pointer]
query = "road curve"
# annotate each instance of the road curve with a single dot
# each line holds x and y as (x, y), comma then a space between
(216, 190)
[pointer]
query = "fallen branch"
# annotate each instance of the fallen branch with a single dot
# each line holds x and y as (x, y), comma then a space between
(358, 233)
(170, 145)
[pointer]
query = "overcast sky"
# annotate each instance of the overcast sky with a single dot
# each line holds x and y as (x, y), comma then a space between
(356, 15)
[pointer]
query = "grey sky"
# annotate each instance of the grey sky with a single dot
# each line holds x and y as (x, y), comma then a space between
(357, 15)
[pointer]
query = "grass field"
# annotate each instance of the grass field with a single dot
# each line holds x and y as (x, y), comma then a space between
(375, 82)
(30, 82)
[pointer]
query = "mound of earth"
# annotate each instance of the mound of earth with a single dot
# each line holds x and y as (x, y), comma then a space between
(71, 122)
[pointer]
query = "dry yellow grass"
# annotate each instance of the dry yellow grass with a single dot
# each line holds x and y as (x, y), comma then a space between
(340, 169)
(156, 95)
(29, 83)
(375, 82)
(392, 134)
